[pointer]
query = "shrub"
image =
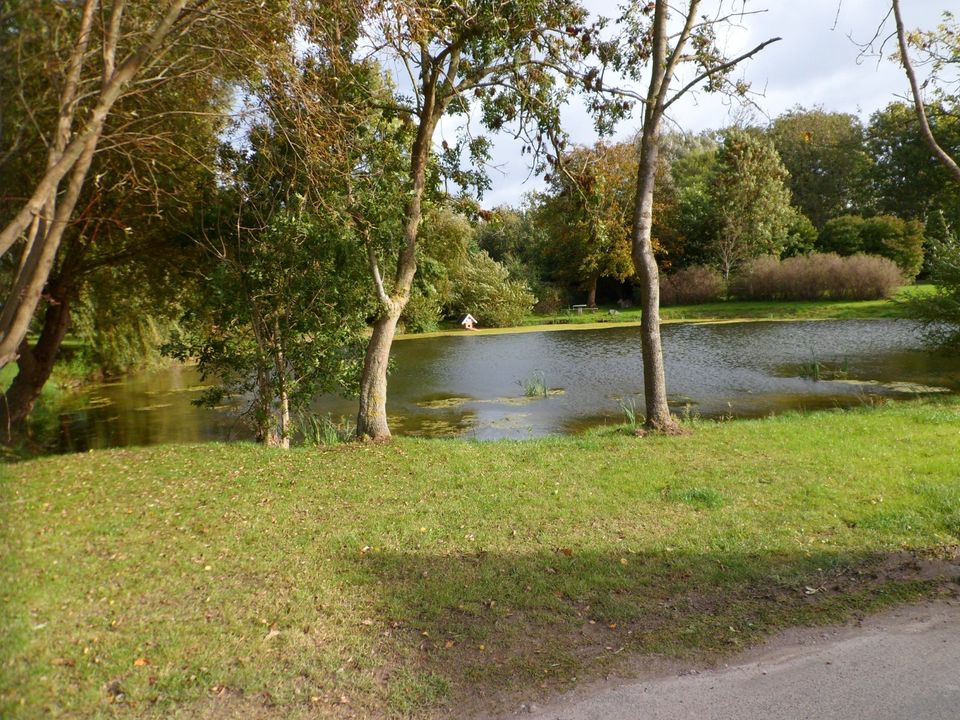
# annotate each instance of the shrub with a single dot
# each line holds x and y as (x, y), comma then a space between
(941, 312)
(817, 277)
(696, 284)
(552, 300)
(483, 288)
(801, 236)
(841, 236)
(422, 313)
(884, 235)
(896, 239)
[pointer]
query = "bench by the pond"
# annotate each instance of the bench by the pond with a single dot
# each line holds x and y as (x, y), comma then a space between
(578, 308)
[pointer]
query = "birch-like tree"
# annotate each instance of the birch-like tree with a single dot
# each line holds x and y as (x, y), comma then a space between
(653, 49)
(503, 57)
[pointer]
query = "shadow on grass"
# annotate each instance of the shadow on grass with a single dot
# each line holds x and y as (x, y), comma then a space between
(489, 624)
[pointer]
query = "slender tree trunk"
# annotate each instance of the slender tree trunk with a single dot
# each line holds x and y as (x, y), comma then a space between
(35, 366)
(74, 158)
(928, 137)
(654, 380)
(282, 435)
(262, 413)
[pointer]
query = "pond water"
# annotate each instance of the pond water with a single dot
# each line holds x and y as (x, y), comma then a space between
(471, 385)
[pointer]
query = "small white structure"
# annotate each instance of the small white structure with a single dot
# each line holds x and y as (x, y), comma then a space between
(468, 322)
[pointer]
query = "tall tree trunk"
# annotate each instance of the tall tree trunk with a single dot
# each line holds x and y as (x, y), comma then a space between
(372, 415)
(35, 365)
(654, 380)
(372, 418)
(282, 435)
(73, 158)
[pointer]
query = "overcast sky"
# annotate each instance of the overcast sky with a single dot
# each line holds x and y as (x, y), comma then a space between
(815, 64)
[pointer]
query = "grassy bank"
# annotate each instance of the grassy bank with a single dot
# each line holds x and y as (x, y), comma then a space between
(372, 581)
(755, 310)
(725, 311)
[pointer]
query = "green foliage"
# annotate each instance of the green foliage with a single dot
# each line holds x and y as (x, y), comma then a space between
(455, 278)
(323, 430)
(535, 385)
(841, 235)
(899, 240)
(907, 181)
(484, 288)
(586, 215)
(695, 220)
(941, 311)
(423, 311)
(281, 317)
(801, 236)
(884, 235)
(750, 198)
(825, 154)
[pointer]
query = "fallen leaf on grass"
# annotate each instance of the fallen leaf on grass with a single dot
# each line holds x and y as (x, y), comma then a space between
(140, 662)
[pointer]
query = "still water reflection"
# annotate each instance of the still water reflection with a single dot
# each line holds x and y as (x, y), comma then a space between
(471, 385)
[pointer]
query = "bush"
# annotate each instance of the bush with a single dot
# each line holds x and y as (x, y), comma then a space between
(422, 313)
(552, 300)
(801, 236)
(483, 288)
(841, 236)
(884, 235)
(696, 284)
(896, 239)
(941, 312)
(817, 277)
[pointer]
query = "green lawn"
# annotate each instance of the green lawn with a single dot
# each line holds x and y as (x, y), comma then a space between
(754, 310)
(412, 578)
(725, 311)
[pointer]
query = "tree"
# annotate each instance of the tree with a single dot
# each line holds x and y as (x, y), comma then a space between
(895, 239)
(586, 215)
(908, 181)
(101, 54)
(645, 44)
(884, 235)
(112, 142)
(942, 47)
(750, 199)
(841, 235)
(282, 312)
(499, 54)
(824, 153)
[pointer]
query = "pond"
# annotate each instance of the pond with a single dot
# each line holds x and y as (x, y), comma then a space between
(471, 385)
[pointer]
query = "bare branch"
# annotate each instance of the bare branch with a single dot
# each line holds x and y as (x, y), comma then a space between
(925, 130)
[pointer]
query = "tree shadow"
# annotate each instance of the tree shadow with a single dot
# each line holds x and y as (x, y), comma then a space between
(490, 624)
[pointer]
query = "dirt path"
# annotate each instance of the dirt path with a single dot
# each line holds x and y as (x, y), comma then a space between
(903, 663)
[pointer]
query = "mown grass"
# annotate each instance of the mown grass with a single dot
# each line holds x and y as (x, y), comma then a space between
(409, 579)
(758, 310)
(725, 311)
